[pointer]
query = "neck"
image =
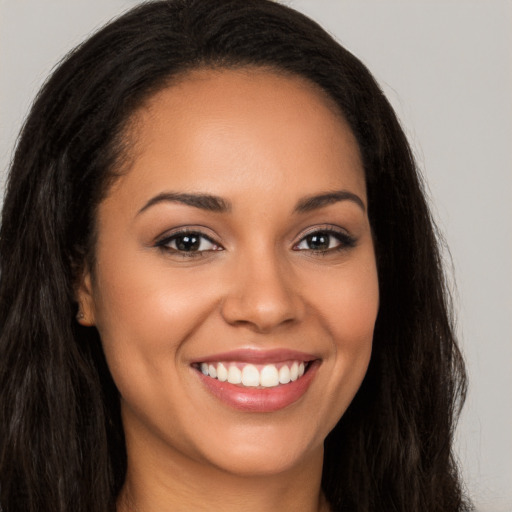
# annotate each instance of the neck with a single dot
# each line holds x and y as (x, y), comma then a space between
(166, 480)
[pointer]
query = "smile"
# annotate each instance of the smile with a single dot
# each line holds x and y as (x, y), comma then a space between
(258, 381)
(253, 375)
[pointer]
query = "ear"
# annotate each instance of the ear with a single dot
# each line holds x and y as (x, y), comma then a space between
(84, 296)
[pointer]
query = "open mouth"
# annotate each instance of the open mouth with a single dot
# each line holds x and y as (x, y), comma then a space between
(255, 380)
(250, 375)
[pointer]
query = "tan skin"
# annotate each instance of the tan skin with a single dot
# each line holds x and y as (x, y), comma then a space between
(264, 274)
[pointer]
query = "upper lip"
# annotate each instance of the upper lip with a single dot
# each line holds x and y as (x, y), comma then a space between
(258, 356)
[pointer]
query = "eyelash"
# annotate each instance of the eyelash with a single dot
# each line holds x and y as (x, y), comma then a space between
(345, 241)
(164, 243)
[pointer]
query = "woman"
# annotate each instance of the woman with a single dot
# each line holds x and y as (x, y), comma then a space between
(221, 284)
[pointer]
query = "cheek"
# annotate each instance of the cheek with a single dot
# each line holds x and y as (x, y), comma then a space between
(357, 307)
(132, 316)
(138, 299)
(144, 319)
(349, 312)
(349, 302)
(355, 323)
(146, 312)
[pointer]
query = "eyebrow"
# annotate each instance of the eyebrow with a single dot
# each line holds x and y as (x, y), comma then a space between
(219, 205)
(324, 199)
(203, 201)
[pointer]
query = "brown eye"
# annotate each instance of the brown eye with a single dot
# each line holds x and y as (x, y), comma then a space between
(318, 241)
(325, 240)
(188, 242)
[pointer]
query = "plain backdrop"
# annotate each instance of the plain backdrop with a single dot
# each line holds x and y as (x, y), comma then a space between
(446, 66)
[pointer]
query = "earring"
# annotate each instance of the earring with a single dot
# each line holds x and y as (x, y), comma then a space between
(80, 315)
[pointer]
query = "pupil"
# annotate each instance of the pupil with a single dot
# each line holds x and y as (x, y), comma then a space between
(188, 243)
(318, 242)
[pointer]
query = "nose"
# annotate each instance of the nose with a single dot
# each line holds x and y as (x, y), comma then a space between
(263, 295)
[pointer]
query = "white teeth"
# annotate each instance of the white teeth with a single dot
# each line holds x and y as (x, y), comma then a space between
(294, 372)
(284, 375)
(269, 376)
(222, 372)
(212, 371)
(249, 375)
(234, 375)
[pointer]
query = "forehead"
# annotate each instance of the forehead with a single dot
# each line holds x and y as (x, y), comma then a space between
(219, 129)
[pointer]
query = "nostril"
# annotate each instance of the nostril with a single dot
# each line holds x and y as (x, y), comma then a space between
(258, 318)
(260, 315)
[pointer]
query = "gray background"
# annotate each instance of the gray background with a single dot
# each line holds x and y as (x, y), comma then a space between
(447, 68)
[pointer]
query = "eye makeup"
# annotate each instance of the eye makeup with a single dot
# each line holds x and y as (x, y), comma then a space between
(192, 242)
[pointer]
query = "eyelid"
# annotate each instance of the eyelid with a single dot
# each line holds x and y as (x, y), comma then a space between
(163, 240)
(345, 238)
(325, 228)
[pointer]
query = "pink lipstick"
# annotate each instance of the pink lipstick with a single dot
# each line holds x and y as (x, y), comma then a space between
(258, 381)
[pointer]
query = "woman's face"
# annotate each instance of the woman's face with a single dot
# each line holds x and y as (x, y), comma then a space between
(236, 245)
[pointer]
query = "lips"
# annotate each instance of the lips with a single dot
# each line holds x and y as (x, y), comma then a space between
(255, 380)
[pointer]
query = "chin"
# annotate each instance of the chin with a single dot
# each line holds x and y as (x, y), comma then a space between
(253, 461)
(264, 449)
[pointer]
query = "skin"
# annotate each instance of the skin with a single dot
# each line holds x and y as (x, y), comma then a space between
(262, 142)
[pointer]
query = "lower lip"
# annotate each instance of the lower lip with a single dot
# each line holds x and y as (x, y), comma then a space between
(260, 399)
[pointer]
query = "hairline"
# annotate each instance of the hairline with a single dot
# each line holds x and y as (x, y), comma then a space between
(126, 142)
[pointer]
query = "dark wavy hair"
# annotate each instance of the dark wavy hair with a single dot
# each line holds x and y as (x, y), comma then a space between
(61, 438)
